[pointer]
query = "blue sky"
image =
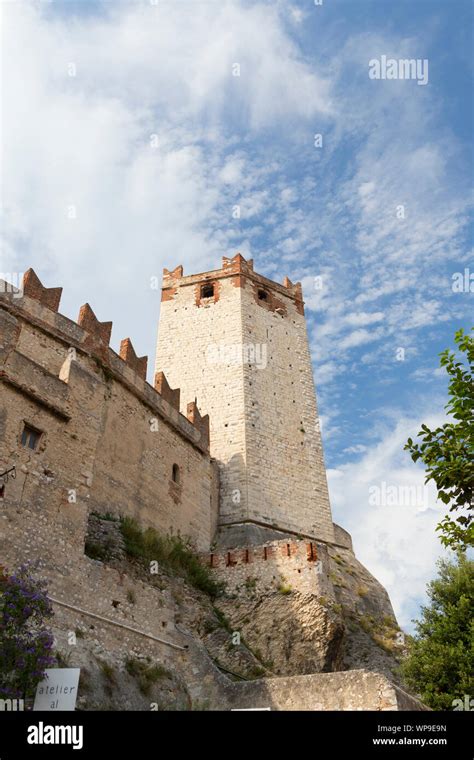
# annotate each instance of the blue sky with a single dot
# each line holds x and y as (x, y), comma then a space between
(87, 85)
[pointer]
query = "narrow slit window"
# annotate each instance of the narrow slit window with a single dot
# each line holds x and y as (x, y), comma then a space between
(207, 291)
(175, 474)
(30, 437)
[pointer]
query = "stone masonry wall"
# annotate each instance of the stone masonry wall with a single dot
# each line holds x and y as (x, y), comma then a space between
(263, 415)
(186, 330)
(275, 566)
(108, 439)
(350, 690)
(286, 476)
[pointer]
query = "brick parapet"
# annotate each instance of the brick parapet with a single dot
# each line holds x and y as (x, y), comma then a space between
(275, 567)
(246, 555)
(234, 267)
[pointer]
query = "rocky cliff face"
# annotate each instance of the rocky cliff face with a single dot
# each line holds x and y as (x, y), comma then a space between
(293, 633)
(372, 638)
(249, 631)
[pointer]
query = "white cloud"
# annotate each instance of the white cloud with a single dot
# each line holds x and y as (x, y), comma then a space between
(429, 373)
(326, 372)
(82, 144)
(359, 338)
(398, 544)
(358, 448)
(297, 15)
(231, 172)
(364, 318)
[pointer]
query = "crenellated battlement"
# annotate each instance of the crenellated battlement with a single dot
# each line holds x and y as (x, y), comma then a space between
(171, 395)
(128, 355)
(277, 566)
(39, 306)
(239, 270)
(200, 423)
(276, 550)
(33, 288)
(89, 322)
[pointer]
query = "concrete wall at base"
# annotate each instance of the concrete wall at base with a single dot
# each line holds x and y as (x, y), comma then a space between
(349, 690)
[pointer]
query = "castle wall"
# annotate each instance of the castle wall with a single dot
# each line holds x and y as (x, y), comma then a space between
(342, 537)
(282, 566)
(133, 468)
(45, 349)
(108, 440)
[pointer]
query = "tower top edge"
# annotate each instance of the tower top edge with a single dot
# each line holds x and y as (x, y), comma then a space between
(236, 266)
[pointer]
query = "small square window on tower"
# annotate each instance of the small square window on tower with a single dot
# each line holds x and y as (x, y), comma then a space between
(207, 290)
(30, 437)
(262, 295)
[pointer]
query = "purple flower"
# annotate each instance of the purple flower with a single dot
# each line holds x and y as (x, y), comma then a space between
(25, 646)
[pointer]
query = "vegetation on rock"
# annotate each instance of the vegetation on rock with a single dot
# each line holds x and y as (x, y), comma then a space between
(172, 554)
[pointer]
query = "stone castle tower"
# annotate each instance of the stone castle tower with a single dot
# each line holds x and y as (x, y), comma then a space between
(237, 342)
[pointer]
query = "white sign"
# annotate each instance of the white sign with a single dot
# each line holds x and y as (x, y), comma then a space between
(58, 690)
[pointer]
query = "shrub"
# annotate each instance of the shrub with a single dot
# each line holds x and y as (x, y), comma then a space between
(94, 550)
(107, 671)
(440, 660)
(146, 675)
(250, 583)
(171, 552)
(223, 622)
